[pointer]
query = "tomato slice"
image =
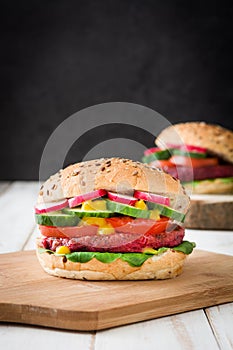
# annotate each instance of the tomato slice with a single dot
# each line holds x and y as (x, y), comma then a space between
(119, 221)
(68, 231)
(124, 224)
(162, 164)
(140, 226)
(193, 162)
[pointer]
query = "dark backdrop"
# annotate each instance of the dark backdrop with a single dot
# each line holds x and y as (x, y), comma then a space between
(58, 57)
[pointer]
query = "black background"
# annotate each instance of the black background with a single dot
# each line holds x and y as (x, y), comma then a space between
(58, 57)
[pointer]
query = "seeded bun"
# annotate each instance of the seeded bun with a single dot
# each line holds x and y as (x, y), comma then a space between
(163, 266)
(116, 175)
(217, 140)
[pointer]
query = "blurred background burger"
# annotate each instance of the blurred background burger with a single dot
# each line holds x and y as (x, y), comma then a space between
(201, 156)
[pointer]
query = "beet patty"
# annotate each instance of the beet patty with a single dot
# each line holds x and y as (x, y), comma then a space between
(117, 243)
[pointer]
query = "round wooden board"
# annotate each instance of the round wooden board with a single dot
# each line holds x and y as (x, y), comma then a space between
(210, 212)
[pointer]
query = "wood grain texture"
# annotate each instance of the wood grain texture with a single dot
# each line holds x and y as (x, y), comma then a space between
(189, 330)
(29, 295)
(4, 185)
(210, 212)
(185, 331)
(15, 337)
(17, 215)
(221, 320)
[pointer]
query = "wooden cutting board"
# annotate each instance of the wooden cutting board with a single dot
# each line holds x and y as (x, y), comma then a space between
(209, 211)
(29, 295)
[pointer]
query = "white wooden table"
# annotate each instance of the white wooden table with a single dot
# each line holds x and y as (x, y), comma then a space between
(210, 328)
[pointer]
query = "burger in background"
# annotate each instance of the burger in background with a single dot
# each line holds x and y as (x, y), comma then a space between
(200, 155)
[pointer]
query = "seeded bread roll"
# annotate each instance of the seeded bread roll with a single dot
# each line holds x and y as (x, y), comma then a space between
(217, 140)
(51, 190)
(163, 266)
(116, 175)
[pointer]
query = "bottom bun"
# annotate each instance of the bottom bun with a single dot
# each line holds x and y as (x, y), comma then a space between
(166, 265)
(217, 186)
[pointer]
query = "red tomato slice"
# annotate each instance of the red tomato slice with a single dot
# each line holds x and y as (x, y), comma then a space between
(119, 221)
(124, 224)
(141, 226)
(162, 164)
(68, 231)
(193, 162)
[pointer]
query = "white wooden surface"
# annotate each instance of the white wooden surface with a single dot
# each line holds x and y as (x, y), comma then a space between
(210, 328)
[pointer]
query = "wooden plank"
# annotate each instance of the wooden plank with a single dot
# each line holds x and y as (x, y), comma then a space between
(13, 336)
(210, 212)
(17, 216)
(184, 331)
(83, 305)
(30, 243)
(221, 320)
(23, 337)
(4, 185)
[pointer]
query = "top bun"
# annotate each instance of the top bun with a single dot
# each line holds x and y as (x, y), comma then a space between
(216, 139)
(116, 175)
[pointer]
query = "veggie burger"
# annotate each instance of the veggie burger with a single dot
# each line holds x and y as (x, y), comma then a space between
(112, 219)
(199, 154)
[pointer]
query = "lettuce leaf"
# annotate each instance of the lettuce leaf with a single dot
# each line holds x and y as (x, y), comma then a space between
(133, 259)
(185, 247)
(221, 179)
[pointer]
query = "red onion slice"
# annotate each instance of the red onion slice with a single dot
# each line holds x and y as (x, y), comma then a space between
(51, 206)
(120, 198)
(149, 151)
(75, 201)
(151, 197)
(187, 148)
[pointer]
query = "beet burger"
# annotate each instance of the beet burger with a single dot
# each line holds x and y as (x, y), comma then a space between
(199, 154)
(112, 219)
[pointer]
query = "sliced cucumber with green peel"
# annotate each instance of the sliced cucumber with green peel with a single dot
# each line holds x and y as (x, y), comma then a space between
(159, 155)
(142, 213)
(179, 152)
(128, 210)
(57, 219)
(89, 213)
(167, 211)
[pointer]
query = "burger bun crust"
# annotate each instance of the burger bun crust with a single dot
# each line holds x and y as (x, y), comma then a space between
(116, 175)
(216, 139)
(166, 265)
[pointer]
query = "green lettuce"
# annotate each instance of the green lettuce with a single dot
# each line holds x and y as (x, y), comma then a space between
(133, 259)
(222, 179)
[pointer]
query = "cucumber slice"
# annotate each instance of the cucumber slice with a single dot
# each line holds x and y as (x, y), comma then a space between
(56, 219)
(92, 213)
(167, 211)
(128, 210)
(142, 213)
(159, 155)
(179, 152)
